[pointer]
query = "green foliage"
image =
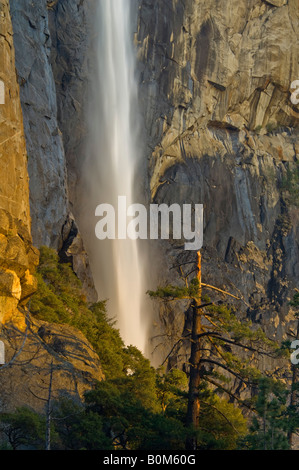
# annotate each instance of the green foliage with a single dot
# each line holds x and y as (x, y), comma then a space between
(137, 427)
(133, 423)
(222, 336)
(171, 389)
(23, 428)
(295, 301)
(140, 378)
(126, 405)
(270, 426)
(225, 333)
(136, 406)
(78, 429)
(238, 330)
(174, 292)
(290, 185)
(222, 424)
(59, 299)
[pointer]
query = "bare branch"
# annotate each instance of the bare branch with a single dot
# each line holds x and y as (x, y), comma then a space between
(225, 367)
(36, 396)
(221, 414)
(174, 346)
(249, 348)
(17, 354)
(228, 392)
(208, 286)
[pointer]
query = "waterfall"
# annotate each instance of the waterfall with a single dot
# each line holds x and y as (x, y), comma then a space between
(110, 168)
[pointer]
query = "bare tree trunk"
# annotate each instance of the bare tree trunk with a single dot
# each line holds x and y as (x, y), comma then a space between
(294, 392)
(48, 412)
(293, 400)
(193, 411)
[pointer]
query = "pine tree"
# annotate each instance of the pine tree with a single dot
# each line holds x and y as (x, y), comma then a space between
(271, 423)
(293, 408)
(215, 336)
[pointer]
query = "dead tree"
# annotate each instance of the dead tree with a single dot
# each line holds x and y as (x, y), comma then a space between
(203, 329)
(193, 411)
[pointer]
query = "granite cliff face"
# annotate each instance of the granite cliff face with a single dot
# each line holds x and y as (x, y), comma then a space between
(222, 131)
(219, 127)
(43, 351)
(30, 142)
(18, 258)
(46, 161)
(48, 131)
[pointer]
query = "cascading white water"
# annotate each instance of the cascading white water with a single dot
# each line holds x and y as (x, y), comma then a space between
(110, 166)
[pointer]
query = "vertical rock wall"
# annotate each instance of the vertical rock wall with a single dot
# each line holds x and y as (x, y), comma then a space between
(18, 258)
(221, 130)
(38, 348)
(52, 119)
(46, 160)
(219, 127)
